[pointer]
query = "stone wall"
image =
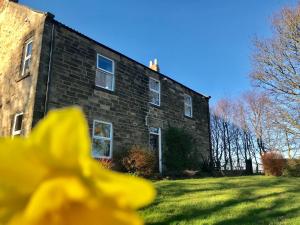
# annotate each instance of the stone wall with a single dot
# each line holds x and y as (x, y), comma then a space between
(73, 83)
(68, 78)
(17, 24)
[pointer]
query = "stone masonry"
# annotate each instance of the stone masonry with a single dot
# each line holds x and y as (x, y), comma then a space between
(63, 74)
(17, 24)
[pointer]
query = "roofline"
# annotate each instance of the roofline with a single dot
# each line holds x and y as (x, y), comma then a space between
(34, 10)
(51, 16)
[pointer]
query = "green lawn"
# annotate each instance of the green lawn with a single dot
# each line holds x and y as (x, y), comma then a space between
(230, 200)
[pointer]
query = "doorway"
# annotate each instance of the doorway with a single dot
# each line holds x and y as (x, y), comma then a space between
(155, 144)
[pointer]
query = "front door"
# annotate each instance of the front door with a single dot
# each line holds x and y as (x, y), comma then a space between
(155, 144)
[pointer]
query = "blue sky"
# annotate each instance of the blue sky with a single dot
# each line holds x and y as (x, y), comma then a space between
(204, 44)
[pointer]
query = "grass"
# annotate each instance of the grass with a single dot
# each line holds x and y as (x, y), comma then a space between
(226, 201)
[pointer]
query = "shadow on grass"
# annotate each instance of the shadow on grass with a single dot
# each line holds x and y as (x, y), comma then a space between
(246, 194)
(264, 215)
(179, 189)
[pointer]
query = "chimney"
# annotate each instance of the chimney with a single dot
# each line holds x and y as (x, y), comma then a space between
(154, 65)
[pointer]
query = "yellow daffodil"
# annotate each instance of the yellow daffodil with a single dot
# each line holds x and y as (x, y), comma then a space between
(49, 178)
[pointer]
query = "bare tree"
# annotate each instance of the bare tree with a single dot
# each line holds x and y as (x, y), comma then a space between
(241, 119)
(223, 111)
(244, 129)
(216, 139)
(277, 69)
(258, 111)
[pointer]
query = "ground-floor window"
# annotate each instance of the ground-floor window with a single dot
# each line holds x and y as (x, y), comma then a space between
(17, 124)
(102, 139)
(155, 144)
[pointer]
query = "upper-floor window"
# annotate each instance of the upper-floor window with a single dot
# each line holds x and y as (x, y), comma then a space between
(27, 57)
(102, 139)
(188, 106)
(105, 74)
(154, 87)
(17, 124)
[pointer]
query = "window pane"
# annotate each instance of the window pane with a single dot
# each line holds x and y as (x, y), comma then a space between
(18, 125)
(100, 78)
(27, 64)
(188, 111)
(105, 64)
(29, 49)
(102, 129)
(188, 100)
(109, 81)
(154, 130)
(101, 148)
(154, 98)
(154, 85)
(104, 80)
(154, 142)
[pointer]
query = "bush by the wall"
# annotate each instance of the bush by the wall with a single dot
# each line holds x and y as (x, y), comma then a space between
(273, 163)
(292, 168)
(140, 161)
(106, 163)
(178, 153)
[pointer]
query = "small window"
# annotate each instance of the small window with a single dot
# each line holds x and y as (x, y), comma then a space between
(17, 125)
(188, 106)
(102, 139)
(27, 58)
(105, 77)
(154, 87)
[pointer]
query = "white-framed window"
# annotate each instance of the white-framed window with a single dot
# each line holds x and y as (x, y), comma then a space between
(105, 74)
(27, 57)
(102, 139)
(17, 125)
(154, 87)
(188, 105)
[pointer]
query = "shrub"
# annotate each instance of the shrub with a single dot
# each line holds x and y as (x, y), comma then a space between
(179, 150)
(273, 163)
(292, 168)
(118, 160)
(140, 161)
(106, 163)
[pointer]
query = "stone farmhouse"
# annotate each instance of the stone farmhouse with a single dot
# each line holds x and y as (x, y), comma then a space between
(45, 64)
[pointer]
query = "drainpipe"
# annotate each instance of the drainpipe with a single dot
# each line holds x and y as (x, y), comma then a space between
(49, 71)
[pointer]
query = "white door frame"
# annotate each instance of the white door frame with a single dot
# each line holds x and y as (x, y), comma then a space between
(159, 147)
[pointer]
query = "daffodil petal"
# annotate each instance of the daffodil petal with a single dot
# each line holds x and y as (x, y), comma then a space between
(20, 166)
(11, 202)
(54, 194)
(101, 214)
(66, 200)
(51, 179)
(63, 136)
(122, 188)
(128, 191)
(81, 214)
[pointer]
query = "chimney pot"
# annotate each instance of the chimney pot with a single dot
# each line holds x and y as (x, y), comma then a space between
(154, 65)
